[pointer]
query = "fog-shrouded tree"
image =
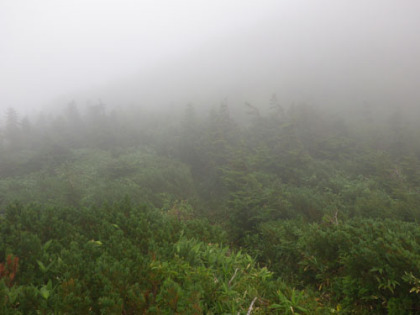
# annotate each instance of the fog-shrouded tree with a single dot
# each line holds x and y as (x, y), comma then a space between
(12, 130)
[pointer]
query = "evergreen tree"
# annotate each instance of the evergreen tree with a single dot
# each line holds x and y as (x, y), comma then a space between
(12, 131)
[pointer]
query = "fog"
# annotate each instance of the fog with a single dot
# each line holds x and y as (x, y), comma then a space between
(170, 53)
(159, 156)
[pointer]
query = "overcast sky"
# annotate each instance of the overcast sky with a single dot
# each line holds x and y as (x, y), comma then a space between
(313, 51)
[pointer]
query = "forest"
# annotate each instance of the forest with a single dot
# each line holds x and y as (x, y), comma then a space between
(277, 209)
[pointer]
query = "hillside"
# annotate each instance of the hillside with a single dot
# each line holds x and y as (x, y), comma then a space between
(291, 210)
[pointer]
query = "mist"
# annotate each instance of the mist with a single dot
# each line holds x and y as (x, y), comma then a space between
(162, 54)
(209, 157)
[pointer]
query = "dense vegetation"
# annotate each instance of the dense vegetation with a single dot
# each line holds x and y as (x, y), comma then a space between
(299, 210)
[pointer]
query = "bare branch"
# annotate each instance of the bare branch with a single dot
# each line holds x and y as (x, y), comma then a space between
(250, 307)
(233, 277)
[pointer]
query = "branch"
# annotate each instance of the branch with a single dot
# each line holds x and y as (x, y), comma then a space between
(233, 277)
(250, 307)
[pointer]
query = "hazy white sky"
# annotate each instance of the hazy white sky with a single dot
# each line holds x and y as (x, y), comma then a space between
(56, 47)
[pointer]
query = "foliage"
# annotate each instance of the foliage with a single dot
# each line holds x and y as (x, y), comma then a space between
(327, 203)
(362, 264)
(123, 259)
